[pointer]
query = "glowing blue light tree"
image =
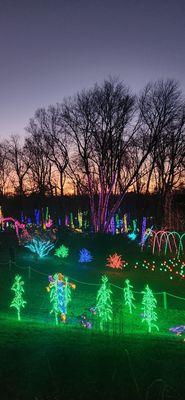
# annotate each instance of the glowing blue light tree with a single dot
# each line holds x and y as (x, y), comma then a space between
(40, 247)
(85, 256)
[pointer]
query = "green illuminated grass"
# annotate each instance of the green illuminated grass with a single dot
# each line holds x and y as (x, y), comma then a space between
(41, 361)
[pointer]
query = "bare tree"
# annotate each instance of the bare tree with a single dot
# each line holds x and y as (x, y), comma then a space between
(20, 163)
(48, 123)
(5, 169)
(163, 112)
(40, 172)
(97, 121)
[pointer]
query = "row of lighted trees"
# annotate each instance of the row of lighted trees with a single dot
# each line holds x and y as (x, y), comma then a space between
(59, 289)
(104, 141)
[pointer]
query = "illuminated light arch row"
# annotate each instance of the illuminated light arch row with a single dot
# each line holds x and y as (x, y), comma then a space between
(168, 240)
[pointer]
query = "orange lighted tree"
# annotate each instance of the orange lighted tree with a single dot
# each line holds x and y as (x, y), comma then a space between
(115, 261)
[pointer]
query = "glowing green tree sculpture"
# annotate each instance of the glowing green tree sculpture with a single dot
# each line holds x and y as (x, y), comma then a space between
(149, 305)
(54, 298)
(128, 295)
(62, 251)
(18, 302)
(104, 302)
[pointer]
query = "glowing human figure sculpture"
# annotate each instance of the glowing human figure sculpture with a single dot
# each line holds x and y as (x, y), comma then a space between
(128, 296)
(60, 295)
(18, 302)
(104, 303)
(149, 305)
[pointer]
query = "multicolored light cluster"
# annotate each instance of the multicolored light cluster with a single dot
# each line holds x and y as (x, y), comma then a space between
(174, 267)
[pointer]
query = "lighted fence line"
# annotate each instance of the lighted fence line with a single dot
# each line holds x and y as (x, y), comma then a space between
(173, 295)
(98, 284)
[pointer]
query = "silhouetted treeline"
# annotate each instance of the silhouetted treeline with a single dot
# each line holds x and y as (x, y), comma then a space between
(102, 143)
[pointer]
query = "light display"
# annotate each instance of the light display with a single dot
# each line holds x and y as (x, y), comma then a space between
(80, 219)
(62, 251)
(85, 256)
(40, 247)
(133, 235)
(16, 223)
(112, 227)
(54, 296)
(165, 241)
(128, 296)
(18, 302)
(71, 220)
(60, 295)
(115, 261)
(1, 213)
(67, 220)
(143, 230)
(178, 330)
(49, 223)
(149, 305)
(104, 303)
(37, 217)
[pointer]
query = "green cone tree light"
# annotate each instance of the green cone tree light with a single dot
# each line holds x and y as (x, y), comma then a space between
(18, 302)
(54, 300)
(128, 296)
(104, 303)
(149, 305)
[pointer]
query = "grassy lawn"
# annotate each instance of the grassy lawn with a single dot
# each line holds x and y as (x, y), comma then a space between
(41, 361)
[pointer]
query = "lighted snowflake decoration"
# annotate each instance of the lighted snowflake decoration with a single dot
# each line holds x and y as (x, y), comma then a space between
(62, 251)
(115, 261)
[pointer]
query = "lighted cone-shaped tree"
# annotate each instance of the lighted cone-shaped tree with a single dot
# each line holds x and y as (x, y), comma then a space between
(128, 296)
(149, 305)
(18, 302)
(104, 303)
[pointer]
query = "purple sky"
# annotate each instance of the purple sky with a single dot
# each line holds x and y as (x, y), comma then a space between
(53, 48)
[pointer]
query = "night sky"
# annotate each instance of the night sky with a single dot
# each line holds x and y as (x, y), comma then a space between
(53, 48)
